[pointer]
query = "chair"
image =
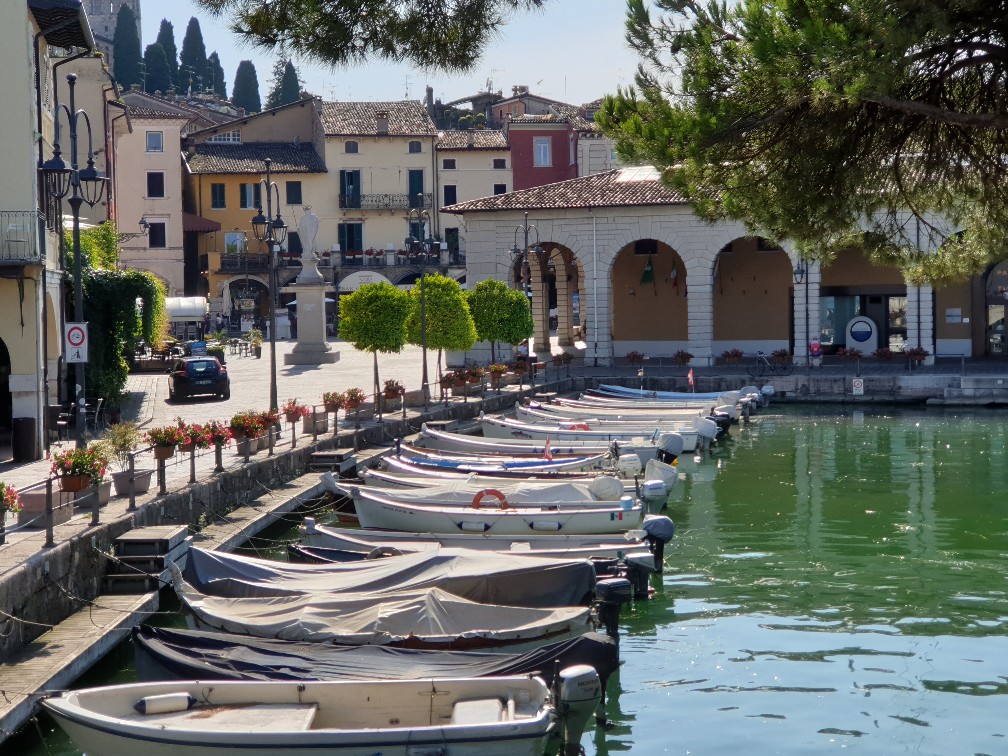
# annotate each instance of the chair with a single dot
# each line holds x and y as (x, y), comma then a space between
(95, 414)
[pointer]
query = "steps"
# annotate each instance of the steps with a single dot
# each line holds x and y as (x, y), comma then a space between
(142, 556)
(342, 462)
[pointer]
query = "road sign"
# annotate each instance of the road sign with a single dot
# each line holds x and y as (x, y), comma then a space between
(857, 386)
(75, 342)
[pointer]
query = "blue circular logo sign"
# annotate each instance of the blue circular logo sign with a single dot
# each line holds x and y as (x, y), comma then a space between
(862, 330)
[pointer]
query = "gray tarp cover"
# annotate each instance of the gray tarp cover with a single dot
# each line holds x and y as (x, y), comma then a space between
(482, 576)
(163, 654)
(415, 618)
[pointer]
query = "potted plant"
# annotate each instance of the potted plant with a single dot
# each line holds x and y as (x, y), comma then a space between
(732, 356)
(269, 425)
(392, 388)
(245, 428)
(353, 398)
(475, 374)
(217, 433)
(780, 356)
(194, 436)
(293, 410)
(332, 400)
(122, 440)
(849, 353)
(78, 468)
(164, 439)
(917, 354)
(635, 358)
(682, 357)
(883, 353)
(255, 339)
(10, 501)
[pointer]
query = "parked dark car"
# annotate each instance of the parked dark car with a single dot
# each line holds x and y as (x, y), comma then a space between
(198, 375)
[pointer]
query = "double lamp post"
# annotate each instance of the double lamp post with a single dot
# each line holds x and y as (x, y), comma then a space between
(419, 220)
(523, 254)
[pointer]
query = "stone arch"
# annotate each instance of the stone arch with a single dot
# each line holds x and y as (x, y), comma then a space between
(648, 298)
(229, 289)
(753, 297)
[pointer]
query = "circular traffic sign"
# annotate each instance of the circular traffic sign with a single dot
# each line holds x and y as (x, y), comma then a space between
(76, 336)
(857, 383)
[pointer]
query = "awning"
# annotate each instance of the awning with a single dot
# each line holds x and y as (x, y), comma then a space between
(357, 279)
(186, 308)
(199, 224)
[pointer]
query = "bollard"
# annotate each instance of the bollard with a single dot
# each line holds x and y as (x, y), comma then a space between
(335, 422)
(218, 458)
(162, 478)
(192, 464)
(49, 541)
(293, 434)
(402, 398)
(249, 440)
(93, 493)
(132, 482)
(314, 425)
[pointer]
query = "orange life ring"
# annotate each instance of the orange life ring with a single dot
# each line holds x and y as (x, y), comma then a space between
(489, 492)
(578, 426)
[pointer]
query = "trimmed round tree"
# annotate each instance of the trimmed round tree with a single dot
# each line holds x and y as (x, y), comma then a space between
(373, 319)
(500, 314)
(449, 324)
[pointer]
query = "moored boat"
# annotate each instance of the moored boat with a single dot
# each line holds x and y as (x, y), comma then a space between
(499, 716)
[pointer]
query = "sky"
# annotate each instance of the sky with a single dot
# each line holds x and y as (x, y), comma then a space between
(572, 51)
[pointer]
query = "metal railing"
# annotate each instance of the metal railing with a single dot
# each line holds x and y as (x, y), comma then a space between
(19, 230)
(358, 201)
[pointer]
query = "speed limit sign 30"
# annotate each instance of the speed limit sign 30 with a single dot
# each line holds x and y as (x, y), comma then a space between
(75, 342)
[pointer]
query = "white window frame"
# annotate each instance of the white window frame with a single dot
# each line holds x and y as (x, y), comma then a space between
(147, 141)
(226, 137)
(542, 152)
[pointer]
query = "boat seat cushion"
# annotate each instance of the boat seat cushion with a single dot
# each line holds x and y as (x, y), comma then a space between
(478, 711)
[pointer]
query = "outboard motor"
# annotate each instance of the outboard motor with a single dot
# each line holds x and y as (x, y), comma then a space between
(670, 446)
(629, 465)
(707, 430)
(721, 419)
(639, 568)
(610, 595)
(660, 530)
(577, 692)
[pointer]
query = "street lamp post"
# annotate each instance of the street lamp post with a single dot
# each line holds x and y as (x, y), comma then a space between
(802, 273)
(273, 232)
(422, 219)
(88, 185)
(523, 253)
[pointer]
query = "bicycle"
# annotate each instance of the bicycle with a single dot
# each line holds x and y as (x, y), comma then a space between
(762, 366)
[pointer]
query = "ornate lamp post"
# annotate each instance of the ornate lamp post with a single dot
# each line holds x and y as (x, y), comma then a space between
(88, 185)
(422, 220)
(273, 233)
(523, 253)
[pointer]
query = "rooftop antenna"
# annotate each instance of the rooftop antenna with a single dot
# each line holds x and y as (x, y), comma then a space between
(406, 96)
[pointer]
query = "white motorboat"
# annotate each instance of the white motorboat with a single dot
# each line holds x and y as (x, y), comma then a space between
(654, 533)
(635, 408)
(746, 395)
(446, 441)
(375, 510)
(475, 716)
(637, 440)
(665, 422)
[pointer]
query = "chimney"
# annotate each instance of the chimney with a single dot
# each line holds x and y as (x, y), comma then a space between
(382, 118)
(469, 138)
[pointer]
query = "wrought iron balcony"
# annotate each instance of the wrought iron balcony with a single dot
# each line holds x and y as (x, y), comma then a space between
(19, 238)
(357, 201)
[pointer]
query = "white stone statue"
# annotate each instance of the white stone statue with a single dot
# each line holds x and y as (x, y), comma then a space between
(307, 231)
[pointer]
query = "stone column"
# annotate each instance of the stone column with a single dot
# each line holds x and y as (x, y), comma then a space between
(565, 309)
(310, 289)
(700, 304)
(920, 319)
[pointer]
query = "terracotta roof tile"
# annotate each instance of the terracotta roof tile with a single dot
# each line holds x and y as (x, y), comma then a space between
(137, 111)
(619, 188)
(250, 158)
(482, 139)
(406, 118)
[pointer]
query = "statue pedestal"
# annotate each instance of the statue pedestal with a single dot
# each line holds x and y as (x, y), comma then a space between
(311, 347)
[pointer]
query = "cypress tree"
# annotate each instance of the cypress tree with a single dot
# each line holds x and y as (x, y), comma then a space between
(166, 38)
(158, 78)
(246, 88)
(286, 85)
(217, 82)
(126, 49)
(193, 58)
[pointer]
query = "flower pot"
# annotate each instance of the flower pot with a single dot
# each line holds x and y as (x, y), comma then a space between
(166, 451)
(141, 481)
(263, 441)
(331, 407)
(186, 448)
(352, 404)
(74, 483)
(257, 352)
(247, 446)
(104, 494)
(321, 424)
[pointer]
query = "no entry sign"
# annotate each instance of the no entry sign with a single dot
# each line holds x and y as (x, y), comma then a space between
(75, 342)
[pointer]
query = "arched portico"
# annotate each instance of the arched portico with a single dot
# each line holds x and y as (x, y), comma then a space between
(650, 310)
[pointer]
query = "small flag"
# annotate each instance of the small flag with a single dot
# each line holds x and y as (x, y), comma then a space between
(549, 452)
(690, 376)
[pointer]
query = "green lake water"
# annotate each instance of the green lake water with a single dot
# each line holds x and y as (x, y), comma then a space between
(838, 582)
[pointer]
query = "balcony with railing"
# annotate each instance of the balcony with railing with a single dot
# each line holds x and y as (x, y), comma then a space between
(358, 201)
(19, 244)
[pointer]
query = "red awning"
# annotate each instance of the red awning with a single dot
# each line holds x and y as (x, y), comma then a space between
(200, 225)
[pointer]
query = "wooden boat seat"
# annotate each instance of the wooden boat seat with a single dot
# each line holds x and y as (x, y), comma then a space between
(246, 718)
(478, 711)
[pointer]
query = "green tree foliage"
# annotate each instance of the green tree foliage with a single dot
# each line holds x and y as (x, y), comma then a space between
(158, 78)
(500, 313)
(218, 83)
(246, 88)
(285, 87)
(829, 124)
(166, 38)
(449, 323)
(126, 49)
(193, 58)
(431, 35)
(373, 319)
(99, 247)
